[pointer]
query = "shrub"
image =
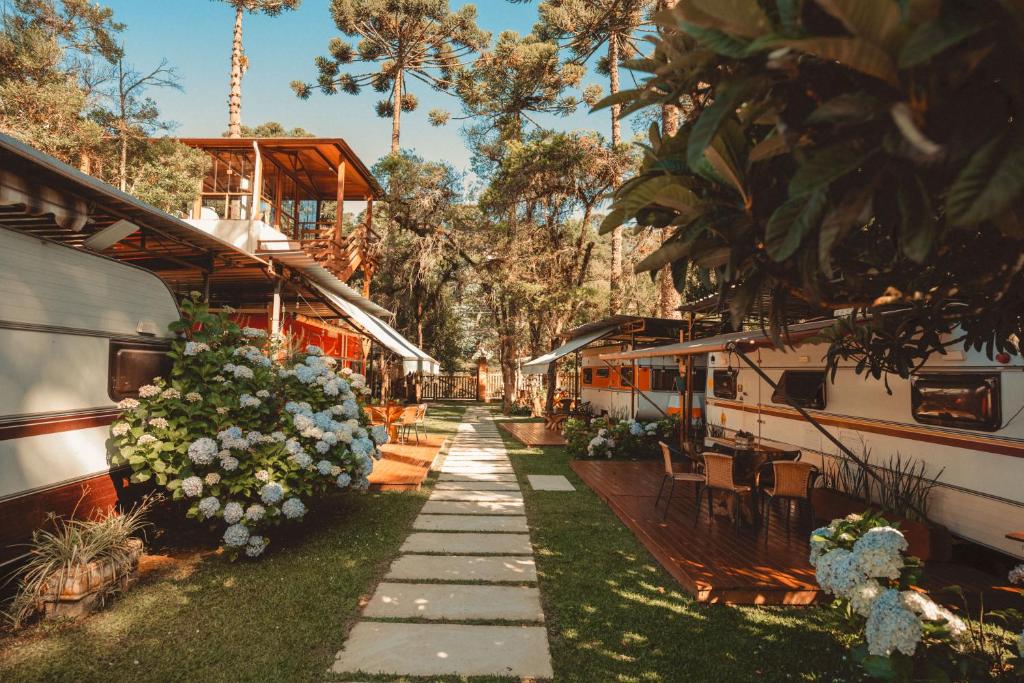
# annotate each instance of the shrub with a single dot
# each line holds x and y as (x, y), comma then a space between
(905, 635)
(602, 438)
(244, 431)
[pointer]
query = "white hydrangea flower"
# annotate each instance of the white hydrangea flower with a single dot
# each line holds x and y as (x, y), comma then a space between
(891, 626)
(170, 393)
(236, 535)
(203, 450)
(192, 487)
(255, 512)
(208, 507)
(862, 596)
(263, 475)
(120, 429)
(293, 508)
(229, 463)
(271, 493)
(193, 397)
(219, 378)
(194, 348)
(253, 333)
(158, 422)
(248, 401)
(819, 543)
(147, 439)
(263, 393)
(233, 513)
(335, 471)
(149, 391)
(929, 610)
(347, 372)
(212, 479)
(879, 552)
(127, 404)
(1016, 575)
(838, 572)
(256, 546)
(222, 410)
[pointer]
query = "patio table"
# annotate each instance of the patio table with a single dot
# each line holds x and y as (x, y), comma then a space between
(747, 461)
(388, 415)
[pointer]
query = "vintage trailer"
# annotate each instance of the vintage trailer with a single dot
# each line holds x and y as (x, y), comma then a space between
(961, 414)
(649, 394)
(78, 333)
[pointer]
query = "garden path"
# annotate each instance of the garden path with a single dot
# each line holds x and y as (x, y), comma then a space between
(462, 598)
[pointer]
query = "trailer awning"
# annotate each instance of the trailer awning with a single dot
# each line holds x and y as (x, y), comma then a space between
(413, 358)
(797, 333)
(539, 365)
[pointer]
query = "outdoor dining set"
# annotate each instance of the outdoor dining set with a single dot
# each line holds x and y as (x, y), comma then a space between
(749, 478)
(400, 420)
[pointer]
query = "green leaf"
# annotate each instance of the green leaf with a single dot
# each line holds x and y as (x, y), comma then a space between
(789, 14)
(174, 484)
(737, 17)
(878, 21)
(918, 227)
(854, 107)
(728, 99)
(837, 222)
(827, 164)
(855, 53)
(935, 36)
(670, 251)
(791, 222)
(139, 477)
(989, 183)
(679, 198)
(161, 478)
(617, 98)
(771, 146)
(718, 42)
(614, 219)
(632, 199)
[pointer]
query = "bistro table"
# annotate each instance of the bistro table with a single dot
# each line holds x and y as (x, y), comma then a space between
(747, 461)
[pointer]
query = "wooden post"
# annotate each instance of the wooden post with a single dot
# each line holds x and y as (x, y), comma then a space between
(481, 379)
(255, 212)
(275, 316)
(339, 218)
(688, 402)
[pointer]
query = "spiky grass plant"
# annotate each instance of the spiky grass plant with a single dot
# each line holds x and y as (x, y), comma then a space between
(65, 545)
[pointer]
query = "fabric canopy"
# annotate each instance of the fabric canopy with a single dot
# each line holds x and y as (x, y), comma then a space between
(413, 358)
(539, 365)
(799, 332)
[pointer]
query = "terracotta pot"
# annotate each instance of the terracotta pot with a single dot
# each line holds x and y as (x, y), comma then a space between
(829, 504)
(80, 591)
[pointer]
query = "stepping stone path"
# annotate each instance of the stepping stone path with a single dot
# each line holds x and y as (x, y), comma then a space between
(469, 558)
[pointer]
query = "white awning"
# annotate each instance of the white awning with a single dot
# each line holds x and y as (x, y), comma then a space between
(539, 365)
(413, 358)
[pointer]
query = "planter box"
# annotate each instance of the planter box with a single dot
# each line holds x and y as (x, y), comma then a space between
(84, 587)
(927, 541)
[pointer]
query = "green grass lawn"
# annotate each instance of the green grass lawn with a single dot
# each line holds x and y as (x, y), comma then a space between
(279, 619)
(614, 615)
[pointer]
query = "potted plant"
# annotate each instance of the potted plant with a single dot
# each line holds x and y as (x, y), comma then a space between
(77, 565)
(744, 439)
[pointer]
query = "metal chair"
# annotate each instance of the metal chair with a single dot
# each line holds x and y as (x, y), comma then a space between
(718, 473)
(407, 422)
(792, 482)
(421, 421)
(671, 475)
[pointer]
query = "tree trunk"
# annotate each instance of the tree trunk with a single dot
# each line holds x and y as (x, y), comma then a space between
(122, 168)
(615, 278)
(235, 96)
(396, 113)
(549, 400)
(668, 297)
(419, 324)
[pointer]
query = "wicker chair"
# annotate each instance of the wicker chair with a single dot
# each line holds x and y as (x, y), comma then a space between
(671, 475)
(792, 481)
(718, 473)
(421, 421)
(407, 423)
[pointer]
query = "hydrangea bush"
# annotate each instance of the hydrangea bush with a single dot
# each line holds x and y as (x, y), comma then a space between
(605, 438)
(906, 636)
(245, 432)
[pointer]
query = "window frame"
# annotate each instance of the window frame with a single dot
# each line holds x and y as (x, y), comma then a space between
(818, 402)
(115, 346)
(587, 378)
(733, 375)
(993, 380)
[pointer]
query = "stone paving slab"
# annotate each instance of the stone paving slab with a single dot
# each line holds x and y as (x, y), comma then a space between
(493, 568)
(476, 457)
(479, 507)
(477, 476)
(496, 496)
(467, 543)
(504, 524)
(476, 486)
(489, 468)
(455, 602)
(441, 649)
(549, 482)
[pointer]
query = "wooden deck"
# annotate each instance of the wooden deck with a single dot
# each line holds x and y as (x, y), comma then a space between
(717, 564)
(533, 433)
(403, 467)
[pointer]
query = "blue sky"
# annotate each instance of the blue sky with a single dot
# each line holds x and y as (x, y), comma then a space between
(195, 36)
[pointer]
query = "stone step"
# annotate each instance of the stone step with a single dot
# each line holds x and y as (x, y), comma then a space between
(480, 476)
(467, 543)
(480, 507)
(476, 457)
(490, 496)
(504, 524)
(549, 482)
(454, 602)
(446, 649)
(490, 568)
(477, 486)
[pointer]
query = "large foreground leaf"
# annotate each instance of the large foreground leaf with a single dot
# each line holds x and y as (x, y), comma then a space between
(791, 222)
(992, 179)
(738, 17)
(877, 21)
(712, 119)
(855, 53)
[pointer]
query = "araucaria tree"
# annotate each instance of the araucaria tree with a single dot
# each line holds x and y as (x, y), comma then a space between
(585, 27)
(239, 63)
(847, 154)
(398, 40)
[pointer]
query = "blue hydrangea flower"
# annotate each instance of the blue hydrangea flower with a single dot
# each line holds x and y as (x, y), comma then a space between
(379, 433)
(349, 409)
(314, 350)
(208, 507)
(305, 374)
(324, 467)
(236, 535)
(203, 450)
(362, 446)
(233, 513)
(302, 459)
(256, 546)
(255, 512)
(248, 401)
(330, 438)
(271, 493)
(322, 447)
(293, 508)
(344, 480)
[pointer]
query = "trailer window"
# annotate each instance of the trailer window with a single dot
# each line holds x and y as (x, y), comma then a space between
(588, 375)
(626, 377)
(966, 400)
(132, 365)
(724, 383)
(804, 388)
(602, 373)
(664, 379)
(674, 380)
